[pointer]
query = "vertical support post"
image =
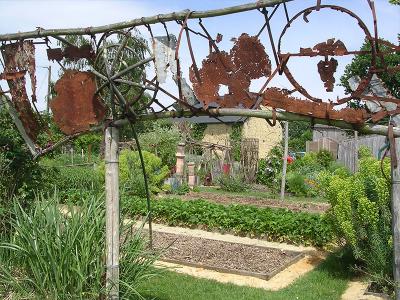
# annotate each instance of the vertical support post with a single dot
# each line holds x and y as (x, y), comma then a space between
(112, 211)
(395, 197)
(48, 89)
(355, 151)
(180, 162)
(191, 175)
(285, 155)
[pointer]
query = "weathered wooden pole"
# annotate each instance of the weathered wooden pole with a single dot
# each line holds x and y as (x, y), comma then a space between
(112, 211)
(48, 89)
(285, 156)
(395, 197)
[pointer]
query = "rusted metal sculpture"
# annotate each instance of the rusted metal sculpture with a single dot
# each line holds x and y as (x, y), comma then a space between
(247, 60)
(77, 107)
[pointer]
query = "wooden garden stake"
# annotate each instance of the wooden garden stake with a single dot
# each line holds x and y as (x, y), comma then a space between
(395, 170)
(112, 211)
(285, 155)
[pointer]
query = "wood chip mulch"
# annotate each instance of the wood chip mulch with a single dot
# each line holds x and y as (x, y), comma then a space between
(221, 255)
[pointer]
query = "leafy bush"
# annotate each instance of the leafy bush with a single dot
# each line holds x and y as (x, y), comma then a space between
(361, 214)
(279, 225)
(161, 141)
(269, 169)
(52, 255)
(295, 184)
(131, 174)
(231, 183)
(181, 189)
(324, 158)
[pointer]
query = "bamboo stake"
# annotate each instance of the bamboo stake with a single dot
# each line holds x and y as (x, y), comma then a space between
(285, 156)
(112, 211)
(181, 15)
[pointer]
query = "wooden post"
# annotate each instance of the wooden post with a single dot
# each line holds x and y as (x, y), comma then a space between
(112, 211)
(285, 155)
(48, 89)
(355, 151)
(395, 197)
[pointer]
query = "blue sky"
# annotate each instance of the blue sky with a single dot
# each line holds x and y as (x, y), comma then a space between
(24, 15)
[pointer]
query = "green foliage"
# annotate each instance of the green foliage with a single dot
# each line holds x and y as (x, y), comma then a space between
(52, 255)
(162, 141)
(131, 174)
(23, 174)
(83, 142)
(273, 224)
(236, 139)
(361, 214)
(270, 168)
(181, 189)
(303, 174)
(299, 133)
(232, 183)
(360, 64)
(324, 158)
(197, 131)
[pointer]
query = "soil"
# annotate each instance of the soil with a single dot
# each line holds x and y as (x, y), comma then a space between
(220, 254)
(260, 202)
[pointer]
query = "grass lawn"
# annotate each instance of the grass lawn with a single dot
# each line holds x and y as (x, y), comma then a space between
(328, 281)
(260, 194)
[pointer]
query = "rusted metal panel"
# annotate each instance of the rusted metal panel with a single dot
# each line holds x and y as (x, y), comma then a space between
(71, 52)
(247, 60)
(19, 58)
(278, 98)
(76, 106)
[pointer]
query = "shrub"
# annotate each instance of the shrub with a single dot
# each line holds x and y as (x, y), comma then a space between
(231, 183)
(361, 214)
(279, 225)
(269, 169)
(295, 184)
(162, 142)
(324, 158)
(52, 255)
(180, 189)
(131, 174)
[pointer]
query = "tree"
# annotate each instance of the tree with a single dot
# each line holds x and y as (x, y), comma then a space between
(299, 133)
(360, 64)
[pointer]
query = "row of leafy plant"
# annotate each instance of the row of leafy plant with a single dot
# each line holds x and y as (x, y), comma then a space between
(279, 225)
(361, 215)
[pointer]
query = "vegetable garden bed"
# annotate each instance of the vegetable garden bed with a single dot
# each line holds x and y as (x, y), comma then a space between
(221, 256)
(226, 199)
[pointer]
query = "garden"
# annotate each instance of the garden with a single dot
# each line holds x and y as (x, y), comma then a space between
(128, 181)
(53, 218)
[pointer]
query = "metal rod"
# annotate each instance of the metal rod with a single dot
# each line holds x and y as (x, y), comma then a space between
(40, 32)
(285, 156)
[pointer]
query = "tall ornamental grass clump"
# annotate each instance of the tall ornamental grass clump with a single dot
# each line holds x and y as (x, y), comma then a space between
(54, 254)
(362, 216)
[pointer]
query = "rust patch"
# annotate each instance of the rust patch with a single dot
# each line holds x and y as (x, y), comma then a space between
(247, 60)
(71, 52)
(330, 47)
(12, 76)
(278, 98)
(19, 58)
(76, 107)
(326, 70)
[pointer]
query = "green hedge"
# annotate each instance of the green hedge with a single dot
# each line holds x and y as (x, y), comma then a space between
(279, 225)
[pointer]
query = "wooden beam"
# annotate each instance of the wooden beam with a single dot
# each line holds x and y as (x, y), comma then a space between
(181, 15)
(112, 211)
(263, 114)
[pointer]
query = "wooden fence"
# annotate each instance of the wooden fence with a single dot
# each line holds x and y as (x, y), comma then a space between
(348, 148)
